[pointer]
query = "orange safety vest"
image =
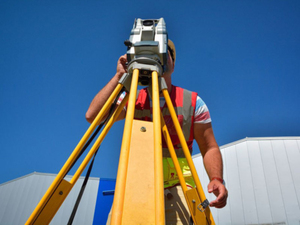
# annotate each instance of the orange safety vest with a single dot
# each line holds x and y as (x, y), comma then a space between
(184, 103)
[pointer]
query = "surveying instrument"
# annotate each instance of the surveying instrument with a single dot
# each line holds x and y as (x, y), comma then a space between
(135, 202)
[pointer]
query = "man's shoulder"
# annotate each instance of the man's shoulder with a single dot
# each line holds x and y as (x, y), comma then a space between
(185, 90)
(178, 87)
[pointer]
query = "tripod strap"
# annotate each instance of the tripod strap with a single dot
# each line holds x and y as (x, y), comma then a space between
(87, 144)
(82, 190)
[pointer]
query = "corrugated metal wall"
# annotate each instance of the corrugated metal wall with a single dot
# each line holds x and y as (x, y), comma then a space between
(18, 199)
(263, 179)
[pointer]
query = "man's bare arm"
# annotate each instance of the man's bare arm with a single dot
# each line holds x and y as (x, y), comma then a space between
(212, 160)
(102, 96)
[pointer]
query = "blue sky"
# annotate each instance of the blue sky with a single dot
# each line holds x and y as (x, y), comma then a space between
(242, 57)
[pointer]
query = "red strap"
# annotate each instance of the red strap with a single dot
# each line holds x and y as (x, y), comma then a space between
(217, 178)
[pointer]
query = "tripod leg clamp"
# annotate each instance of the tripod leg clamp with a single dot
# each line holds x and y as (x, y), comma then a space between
(202, 206)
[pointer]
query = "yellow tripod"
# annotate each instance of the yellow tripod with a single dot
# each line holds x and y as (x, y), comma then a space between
(137, 200)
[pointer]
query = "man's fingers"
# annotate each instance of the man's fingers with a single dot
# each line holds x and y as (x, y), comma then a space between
(220, 202)
(221, 193)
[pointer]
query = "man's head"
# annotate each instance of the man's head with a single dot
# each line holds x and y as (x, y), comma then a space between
(171, 59)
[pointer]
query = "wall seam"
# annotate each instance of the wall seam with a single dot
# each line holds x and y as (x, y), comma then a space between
(252, 182)
(264, 174)
(237, 161)
(278, 180)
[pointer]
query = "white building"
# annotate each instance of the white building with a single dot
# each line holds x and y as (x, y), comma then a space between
(262, 176)
(263, 180)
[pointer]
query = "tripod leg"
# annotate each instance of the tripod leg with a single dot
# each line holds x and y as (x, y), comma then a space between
(139, 199)
(187, 154)
(118, 202)
(139, 196)
(173, 154)
(191, 197)
(158, 165)
(53, 197)
(98, 141)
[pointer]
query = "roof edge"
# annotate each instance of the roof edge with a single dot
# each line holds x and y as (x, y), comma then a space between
(45, 174)
(254, 139)
(260, 138)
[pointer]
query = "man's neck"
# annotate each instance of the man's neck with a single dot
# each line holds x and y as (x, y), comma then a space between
(169, 83)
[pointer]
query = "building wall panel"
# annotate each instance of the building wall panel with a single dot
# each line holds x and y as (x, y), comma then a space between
(259, 183)
(262, 177)
(272, 180)
(247, 189)
(233, 183)
(18, 199)
(290, 191)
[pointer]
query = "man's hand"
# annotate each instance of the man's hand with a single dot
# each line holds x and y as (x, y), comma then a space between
(121, 66)
(220, 192)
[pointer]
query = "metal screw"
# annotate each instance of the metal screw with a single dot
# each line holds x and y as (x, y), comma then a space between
(143, 129)
(60, 193)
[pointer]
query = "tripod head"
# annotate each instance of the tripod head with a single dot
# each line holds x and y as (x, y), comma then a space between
(147, 48)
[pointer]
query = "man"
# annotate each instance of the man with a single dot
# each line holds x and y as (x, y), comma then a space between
(199, 128)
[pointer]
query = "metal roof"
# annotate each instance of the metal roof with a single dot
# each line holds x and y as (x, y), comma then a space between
(253, 139)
